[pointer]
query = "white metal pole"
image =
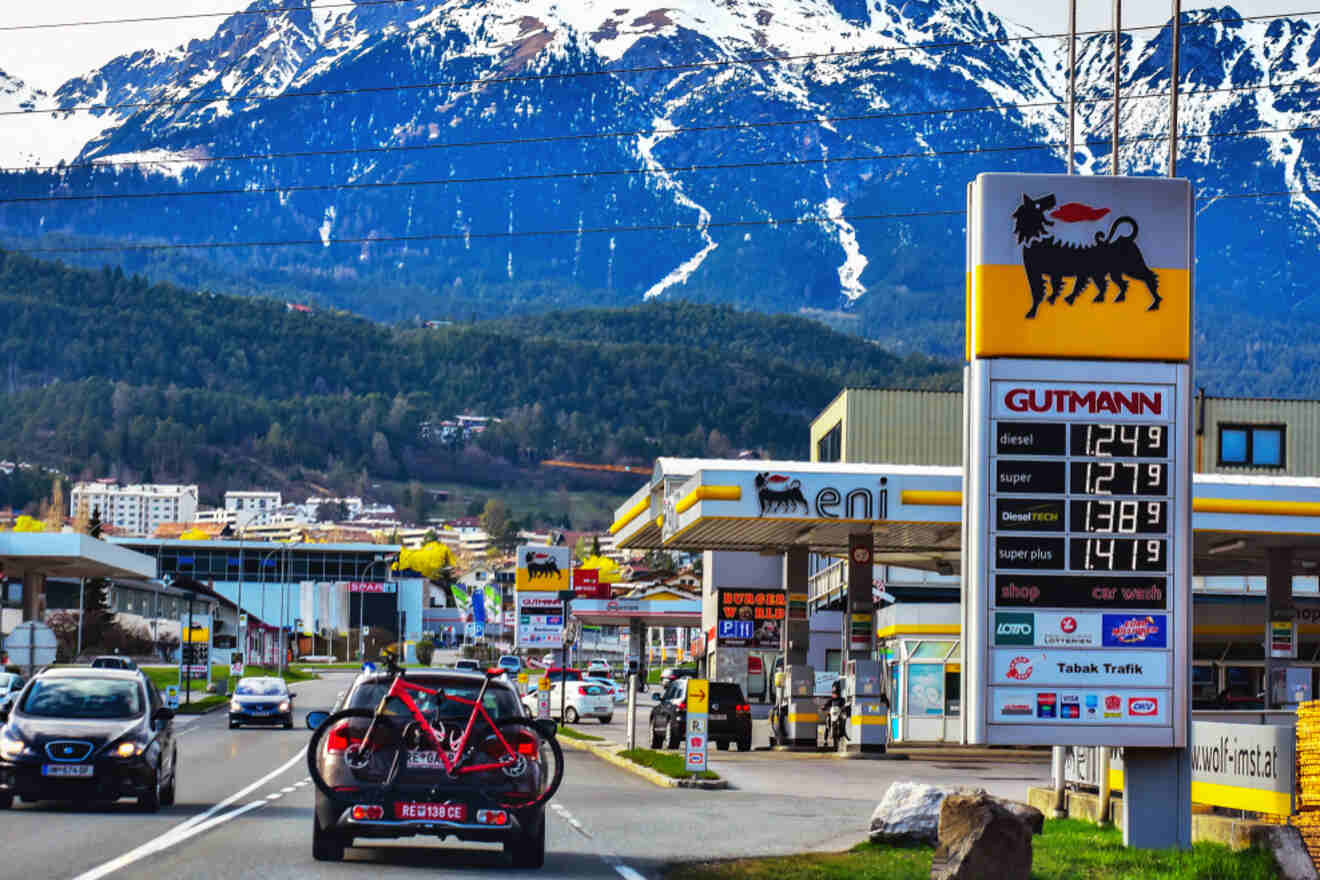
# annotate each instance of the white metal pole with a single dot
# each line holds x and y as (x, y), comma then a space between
(1118, 73)
(1072, 86)
(1176, 47)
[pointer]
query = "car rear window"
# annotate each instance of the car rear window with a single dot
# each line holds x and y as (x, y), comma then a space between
(500, 702)
(722, 692)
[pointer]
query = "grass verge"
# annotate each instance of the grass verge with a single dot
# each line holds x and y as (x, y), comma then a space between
(1068, 849)
(163, 676)
(668, 763)
(571, 733)
(205, 704)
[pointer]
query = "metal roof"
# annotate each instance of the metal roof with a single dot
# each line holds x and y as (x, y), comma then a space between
(71, 555)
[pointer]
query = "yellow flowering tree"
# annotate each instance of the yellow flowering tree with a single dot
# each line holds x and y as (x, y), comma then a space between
(27, 523)
(607, 569)
(433, 561)
(194, 535)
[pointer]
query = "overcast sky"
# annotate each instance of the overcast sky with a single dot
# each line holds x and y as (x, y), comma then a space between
(47, 58)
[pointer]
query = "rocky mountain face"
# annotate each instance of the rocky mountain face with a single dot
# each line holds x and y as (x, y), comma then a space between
(484, 156)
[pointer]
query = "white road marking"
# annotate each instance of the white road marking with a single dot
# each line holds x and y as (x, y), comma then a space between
(196, 825)
(627, 873)
(568, 817)
(164, 842)
(287, 789)
(274, 797)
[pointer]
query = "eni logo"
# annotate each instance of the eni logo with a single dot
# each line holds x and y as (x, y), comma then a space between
(1108, 256)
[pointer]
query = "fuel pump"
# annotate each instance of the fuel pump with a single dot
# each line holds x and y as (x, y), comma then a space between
(868, 707)
(796, 713)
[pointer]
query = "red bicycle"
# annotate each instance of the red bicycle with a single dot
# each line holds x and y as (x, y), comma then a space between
(518, 762)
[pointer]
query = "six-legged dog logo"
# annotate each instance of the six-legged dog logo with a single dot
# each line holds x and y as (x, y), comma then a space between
(1111, 256)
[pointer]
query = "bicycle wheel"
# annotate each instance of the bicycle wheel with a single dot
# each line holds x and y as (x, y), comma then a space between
(535, 777)
(361, 763)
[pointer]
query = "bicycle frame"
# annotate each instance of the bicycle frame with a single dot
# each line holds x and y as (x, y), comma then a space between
(399, 689)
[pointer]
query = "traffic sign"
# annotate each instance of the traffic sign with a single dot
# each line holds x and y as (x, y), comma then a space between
(695, 743)
(31, 645)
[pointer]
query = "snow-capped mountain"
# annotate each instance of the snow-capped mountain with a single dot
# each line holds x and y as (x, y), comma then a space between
(608, 150)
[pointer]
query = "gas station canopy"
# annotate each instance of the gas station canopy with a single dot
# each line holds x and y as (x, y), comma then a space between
(915, 513)
(70, 555)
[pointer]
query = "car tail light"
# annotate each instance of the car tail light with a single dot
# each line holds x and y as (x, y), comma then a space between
(682, 707)
(338, 740)
(492, 817)
(495, 670)
(364, 812)
(743, 708)
(582, 691)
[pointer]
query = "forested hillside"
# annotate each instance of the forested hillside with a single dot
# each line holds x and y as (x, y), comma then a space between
(110, 373)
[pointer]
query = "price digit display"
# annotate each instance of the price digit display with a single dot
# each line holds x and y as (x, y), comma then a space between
(1119, 478)
(1120, 441)
(1118, 554)
(1121, 516)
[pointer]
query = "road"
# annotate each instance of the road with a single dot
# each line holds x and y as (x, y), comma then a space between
(244, 810)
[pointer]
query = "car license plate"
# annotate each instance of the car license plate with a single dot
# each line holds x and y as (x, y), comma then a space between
(719, 718)
(423, 759)
(67, 770)
(446, 812)
(604, 709)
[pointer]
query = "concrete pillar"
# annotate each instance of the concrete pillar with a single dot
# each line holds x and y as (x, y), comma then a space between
(34, 595)
(637, 646)
(859, 612)
(1157, 798)
(1278, 606)
(797, 629)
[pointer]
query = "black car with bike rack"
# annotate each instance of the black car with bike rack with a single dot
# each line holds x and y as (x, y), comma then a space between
(442, 753)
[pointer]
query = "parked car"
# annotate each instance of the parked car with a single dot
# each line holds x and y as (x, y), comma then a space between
(261, 700)
(10, 684)
(113, 661)
(670, 673)
(583, 699)
(425, 799)
(513, 663)
(617, 692)
(601, 667)
(728, 719)
(756, 677)
(83, 735)
(467, 663)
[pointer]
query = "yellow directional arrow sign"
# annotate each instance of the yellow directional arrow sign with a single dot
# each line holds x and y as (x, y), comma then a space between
(698, 695)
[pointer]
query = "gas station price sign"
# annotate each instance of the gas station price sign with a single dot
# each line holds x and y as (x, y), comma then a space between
(1076, 517)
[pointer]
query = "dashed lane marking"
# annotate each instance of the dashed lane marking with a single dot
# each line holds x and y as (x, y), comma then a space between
(274, 797)
(569, 818)
(608, 858)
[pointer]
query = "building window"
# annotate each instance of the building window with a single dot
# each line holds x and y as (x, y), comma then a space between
(1251, 446)
(830, 446)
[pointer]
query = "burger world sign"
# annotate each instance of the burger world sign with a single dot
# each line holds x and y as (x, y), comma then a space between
(1077, 478)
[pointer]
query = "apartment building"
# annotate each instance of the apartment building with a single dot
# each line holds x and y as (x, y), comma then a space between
(136, 509)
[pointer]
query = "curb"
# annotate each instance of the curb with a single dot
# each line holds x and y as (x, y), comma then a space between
(609, 754)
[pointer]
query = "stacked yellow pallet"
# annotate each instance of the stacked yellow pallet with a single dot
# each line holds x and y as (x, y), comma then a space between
(1307, 818)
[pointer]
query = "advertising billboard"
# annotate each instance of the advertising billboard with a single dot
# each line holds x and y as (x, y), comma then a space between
(750, 618)
(540, 622)
(1077, 469)
(542, 568)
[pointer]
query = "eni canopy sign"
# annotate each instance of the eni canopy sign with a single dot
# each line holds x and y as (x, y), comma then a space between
(1064, 266)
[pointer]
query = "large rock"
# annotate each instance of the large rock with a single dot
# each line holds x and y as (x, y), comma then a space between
(1285, 842)
(980, 839)
(1033, 818)
(908, 815)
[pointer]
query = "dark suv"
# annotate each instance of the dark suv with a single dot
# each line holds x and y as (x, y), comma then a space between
(729, 716)
(424, 799)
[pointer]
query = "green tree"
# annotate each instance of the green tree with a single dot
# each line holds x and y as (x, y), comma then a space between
(498, 525)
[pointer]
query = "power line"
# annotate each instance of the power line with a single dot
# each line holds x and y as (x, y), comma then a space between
(543, 139)
(513, 234)
(619, 172)
(270, 10)
(582, 74)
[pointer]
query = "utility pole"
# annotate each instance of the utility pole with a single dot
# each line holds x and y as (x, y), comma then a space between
(1176, 50)
(1118, 74)
(242, 629)
(1072, 86)
(82, 612)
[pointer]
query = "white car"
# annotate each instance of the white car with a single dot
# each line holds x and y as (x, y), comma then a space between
(584, 699)
(599, 668)
(617, 692)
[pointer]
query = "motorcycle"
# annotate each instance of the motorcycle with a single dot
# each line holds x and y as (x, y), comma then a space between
(835, 733)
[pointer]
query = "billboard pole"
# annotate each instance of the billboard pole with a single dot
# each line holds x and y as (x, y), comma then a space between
(1175, 34)
(1118, 73)
(1072, 86)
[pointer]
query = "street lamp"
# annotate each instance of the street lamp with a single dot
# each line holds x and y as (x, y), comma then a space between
(362, 599)
(261, 574)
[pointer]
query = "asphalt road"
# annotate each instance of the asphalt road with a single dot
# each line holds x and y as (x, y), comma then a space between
(244, 810)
